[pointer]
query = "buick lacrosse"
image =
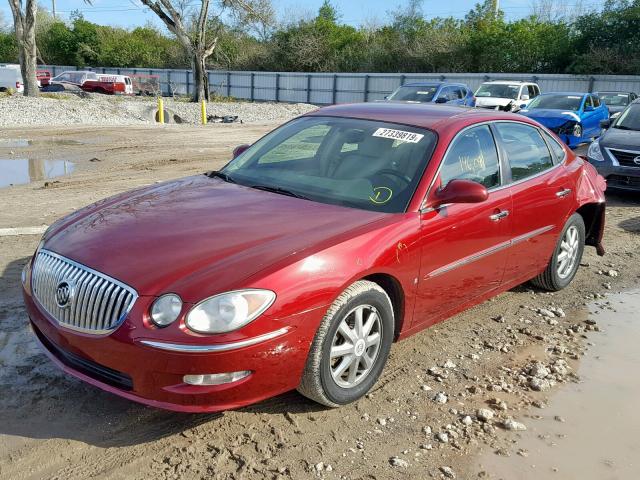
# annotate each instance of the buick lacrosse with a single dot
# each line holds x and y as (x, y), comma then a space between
(298, 264)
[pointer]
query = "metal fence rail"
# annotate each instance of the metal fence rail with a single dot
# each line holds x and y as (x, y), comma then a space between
(329, 88)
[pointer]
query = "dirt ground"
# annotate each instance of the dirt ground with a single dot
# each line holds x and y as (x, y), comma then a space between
(508, 355)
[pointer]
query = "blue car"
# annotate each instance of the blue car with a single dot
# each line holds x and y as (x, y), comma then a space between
(574, 117)
(434, 92)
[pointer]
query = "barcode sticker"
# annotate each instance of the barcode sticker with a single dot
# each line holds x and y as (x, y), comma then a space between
(400, 135)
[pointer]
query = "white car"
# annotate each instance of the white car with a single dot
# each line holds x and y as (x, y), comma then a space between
(74, 77)
(509, 96)
(11, 78)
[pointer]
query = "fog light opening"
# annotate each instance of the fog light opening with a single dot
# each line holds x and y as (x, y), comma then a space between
(216, 378)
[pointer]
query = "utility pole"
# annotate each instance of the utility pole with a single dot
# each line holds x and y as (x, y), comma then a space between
(53, 8)
(496, 4)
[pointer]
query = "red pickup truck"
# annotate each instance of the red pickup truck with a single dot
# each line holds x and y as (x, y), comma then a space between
(109, 85)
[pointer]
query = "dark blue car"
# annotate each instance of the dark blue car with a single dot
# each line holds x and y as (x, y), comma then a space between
(434, 92)
(574, 117)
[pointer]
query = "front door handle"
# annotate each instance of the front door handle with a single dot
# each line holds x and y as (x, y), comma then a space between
(563, 193)
(496, 217)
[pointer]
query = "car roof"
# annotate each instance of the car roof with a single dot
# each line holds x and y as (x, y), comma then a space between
(575, 94)
(432, 84)
(613, 91)
(509, 82)
(423, 115)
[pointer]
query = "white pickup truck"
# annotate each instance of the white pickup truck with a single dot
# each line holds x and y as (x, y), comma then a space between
(506, 95)
(11, 78)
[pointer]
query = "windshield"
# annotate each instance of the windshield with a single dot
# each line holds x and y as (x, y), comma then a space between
(498, 91)
(341, 161)
(614, 99)
(557, 102)
(630, 118)
(422, 93)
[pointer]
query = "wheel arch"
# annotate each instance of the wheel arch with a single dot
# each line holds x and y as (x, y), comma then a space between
(393, 288)
(593, 216)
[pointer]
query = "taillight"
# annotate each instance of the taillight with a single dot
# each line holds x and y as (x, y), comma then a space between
(18, 85)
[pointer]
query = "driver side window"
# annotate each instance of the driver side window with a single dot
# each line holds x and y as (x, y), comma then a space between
(472, 156)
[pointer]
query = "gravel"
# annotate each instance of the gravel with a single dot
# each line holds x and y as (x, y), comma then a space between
(95, 109)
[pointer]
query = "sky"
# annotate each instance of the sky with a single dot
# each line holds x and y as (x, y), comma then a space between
(130, 13)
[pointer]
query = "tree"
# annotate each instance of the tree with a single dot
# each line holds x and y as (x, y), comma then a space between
(195, 40)
(24, 24)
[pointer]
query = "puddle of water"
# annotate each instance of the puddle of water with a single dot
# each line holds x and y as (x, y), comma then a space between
(22, 142)
(22, 170)
(601, 437)
(14, 142)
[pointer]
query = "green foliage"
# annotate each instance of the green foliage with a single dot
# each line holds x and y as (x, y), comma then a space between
(607, 41)
(8, 48)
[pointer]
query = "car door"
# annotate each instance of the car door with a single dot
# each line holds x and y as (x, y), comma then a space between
(541, 195)
(463, 246)
(590, 118)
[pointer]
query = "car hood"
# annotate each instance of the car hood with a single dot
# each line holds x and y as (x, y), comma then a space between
(616, 109)
(492, 101)
(198, 236)
(624, 139)
(551, 117)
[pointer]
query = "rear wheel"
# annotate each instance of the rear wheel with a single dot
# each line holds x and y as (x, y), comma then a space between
(566, 257)
(351, 346)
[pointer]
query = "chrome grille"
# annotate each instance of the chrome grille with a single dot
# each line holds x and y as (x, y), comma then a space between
(96, 303)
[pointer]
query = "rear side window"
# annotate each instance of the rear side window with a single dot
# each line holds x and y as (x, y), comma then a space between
(596, 101)
(532, 91)
(556, 149)
(472, 156)
(526, 151)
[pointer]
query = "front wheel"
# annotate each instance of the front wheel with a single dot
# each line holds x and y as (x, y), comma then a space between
(566, 257)
(351, 346)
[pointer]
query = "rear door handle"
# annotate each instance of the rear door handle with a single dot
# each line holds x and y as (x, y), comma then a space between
(563, 193)
(496, 217)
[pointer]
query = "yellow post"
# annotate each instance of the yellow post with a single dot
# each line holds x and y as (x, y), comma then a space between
(203, 110)
(160, 110)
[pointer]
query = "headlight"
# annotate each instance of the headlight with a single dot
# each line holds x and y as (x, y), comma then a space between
(166, 309)
(229, 311)
(594, 152)
(577, 130)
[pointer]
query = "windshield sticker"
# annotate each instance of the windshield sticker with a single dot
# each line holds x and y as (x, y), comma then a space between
(398, 135)
(381, 195)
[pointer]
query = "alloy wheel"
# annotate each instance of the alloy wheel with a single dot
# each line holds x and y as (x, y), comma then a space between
(355, 346)
(569, 249)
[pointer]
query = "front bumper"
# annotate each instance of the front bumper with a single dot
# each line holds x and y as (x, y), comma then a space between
(619, 178)
(122, 364)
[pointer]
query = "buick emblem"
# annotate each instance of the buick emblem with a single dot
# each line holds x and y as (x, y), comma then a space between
(637, 160)
(64, 294)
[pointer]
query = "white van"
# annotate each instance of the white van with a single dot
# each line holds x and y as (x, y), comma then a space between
(11, 78)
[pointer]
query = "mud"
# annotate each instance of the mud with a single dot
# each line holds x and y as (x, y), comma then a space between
(589, 431)
(52, 426)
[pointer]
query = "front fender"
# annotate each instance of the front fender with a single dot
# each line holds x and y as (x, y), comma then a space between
(592, 205)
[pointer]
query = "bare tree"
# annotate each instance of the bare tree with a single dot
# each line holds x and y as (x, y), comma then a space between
(24, 24)
(194, 40)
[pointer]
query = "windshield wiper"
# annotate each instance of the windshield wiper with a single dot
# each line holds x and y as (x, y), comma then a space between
(222, 175)
(281, 191)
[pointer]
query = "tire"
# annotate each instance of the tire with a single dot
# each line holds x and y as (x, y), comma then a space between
(321, 380)
(554, 277)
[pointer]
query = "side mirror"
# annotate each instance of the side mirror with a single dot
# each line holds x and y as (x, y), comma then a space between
(441, 100)
(589, 108)
(524, 97)
(605, 123)
(386, 97)
(459, 191)
(240, 149)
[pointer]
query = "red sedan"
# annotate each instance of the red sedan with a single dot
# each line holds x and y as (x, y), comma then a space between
(300, 262)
